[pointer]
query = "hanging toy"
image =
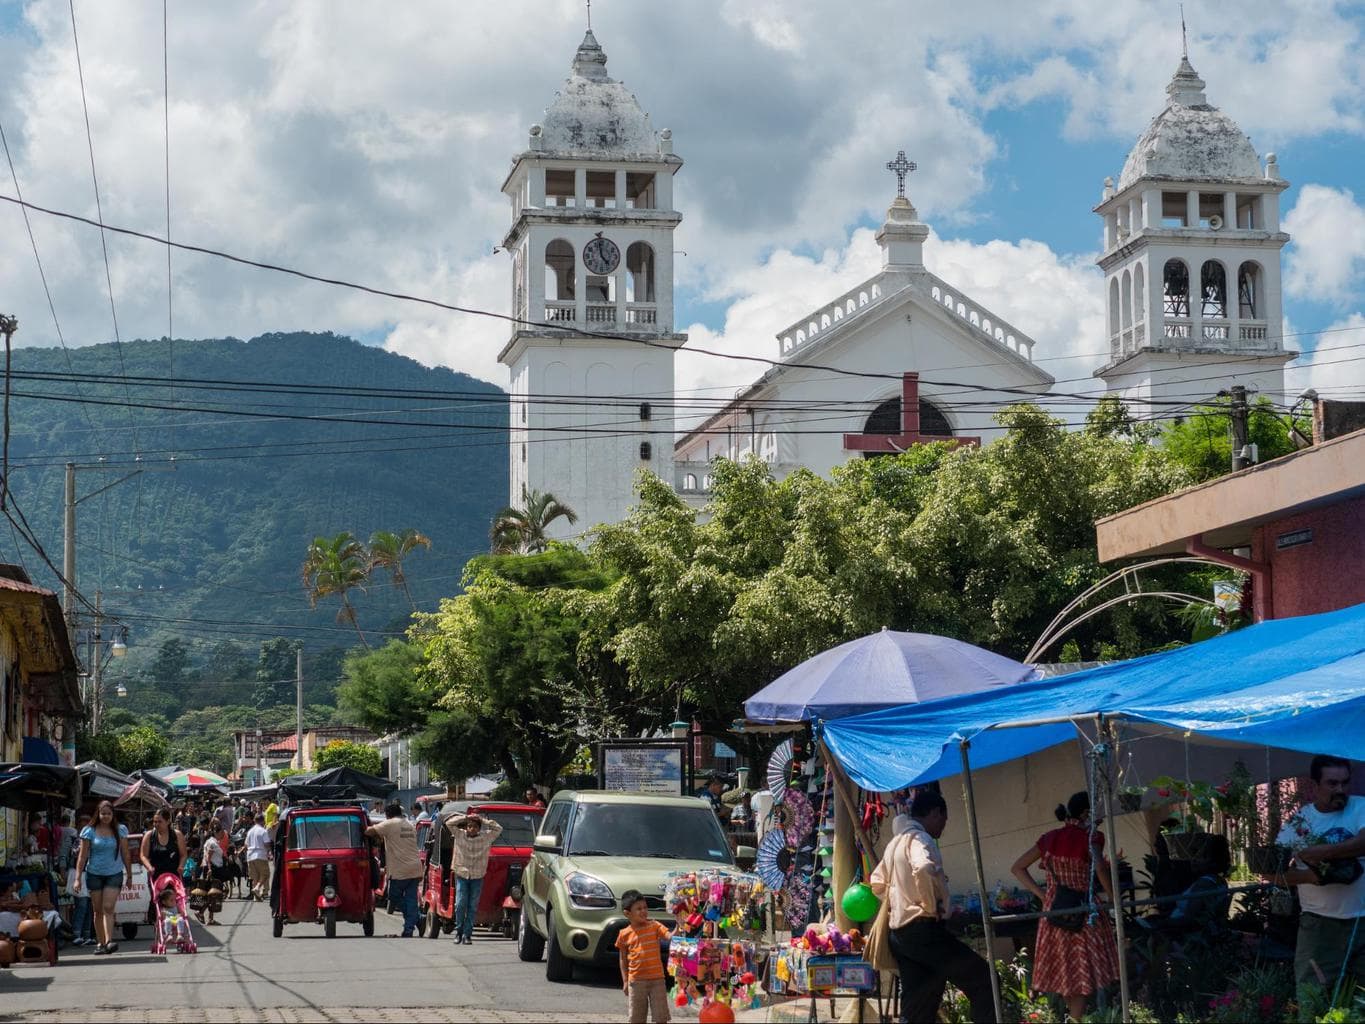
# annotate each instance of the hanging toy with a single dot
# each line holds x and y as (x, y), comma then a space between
(860, 903)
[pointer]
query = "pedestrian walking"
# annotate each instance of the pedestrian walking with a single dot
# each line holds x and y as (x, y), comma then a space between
(257, 858)
(472, 837)
(104, 861)
(642, 964)
(82, 914)
(911, 880)
(402, 863)
(163, 848)
(1075, 957)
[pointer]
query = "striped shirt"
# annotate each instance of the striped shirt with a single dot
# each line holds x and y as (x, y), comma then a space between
(469, 854)
(644, 959)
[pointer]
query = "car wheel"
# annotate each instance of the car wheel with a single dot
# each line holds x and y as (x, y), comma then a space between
(558, 967)
(277, 929)
(129, 932)
(530, 946)
(329, 922)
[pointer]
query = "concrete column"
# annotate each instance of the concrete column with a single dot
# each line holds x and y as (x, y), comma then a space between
(1151, 208)
(1229, 209)
(580, 187)
(1135, 223)
(1192, 209)
(663, 188)
(536, 177)
(620, 190)
(1111, 224)
(1270, 212)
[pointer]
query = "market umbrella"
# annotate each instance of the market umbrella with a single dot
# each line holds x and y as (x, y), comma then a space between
(196, 778)
(885, 670)
(26, 786)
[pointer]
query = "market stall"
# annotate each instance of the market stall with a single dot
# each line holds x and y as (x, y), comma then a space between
(31, 885)
(1273, 692)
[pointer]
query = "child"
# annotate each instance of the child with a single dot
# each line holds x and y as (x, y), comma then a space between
(642, 964)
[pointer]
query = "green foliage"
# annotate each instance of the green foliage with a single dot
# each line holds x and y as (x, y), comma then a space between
(522, 529)
(141, 746)
(171, 664)
(352, 755)
(333, 567)
(276, 672)
(1202, 442)
(385, 690)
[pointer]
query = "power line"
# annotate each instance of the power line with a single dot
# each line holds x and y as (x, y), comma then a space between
(99, 209)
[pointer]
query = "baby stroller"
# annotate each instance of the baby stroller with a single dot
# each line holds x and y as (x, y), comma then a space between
(172, 917)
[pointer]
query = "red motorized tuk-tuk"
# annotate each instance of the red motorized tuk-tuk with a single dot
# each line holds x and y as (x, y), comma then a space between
(500, 898)
(325, 870)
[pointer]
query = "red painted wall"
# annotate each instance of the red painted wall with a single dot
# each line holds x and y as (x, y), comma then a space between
(1321, 575)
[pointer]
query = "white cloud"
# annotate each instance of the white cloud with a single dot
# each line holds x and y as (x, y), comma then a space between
(1335, 367)
(1326, 262)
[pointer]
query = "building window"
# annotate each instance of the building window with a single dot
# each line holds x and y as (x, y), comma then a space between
(1249, 291)
(602, 190)
(559, 188)
(1175, 288)
(640, 190)
(1113, 306)
(645, 411)
(1139, 294)
(559, 271)
(1127, 299)
(1213, 291)
(690, 482)
(886, 420)
(1174, 210)
(646, 451)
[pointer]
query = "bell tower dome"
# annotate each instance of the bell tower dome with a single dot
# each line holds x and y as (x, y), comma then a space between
(591, 348)
(1191, 258)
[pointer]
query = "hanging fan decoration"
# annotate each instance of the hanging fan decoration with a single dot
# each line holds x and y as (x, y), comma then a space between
(779, 769)
(774, 860)
(795, 816)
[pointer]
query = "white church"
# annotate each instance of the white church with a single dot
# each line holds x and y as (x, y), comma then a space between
(1191, 258)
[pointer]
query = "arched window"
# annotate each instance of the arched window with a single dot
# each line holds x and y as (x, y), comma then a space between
(1113, 305)
(1175, 288)
(886, 419)
(559, 271)
(1213, 291)
(640, 272)
(1140, 294)
(1127, 299)
(690, 482)
(1249, 291)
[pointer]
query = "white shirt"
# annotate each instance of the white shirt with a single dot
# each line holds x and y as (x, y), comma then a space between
(1339, 901)
(213, 853)
(257, 843)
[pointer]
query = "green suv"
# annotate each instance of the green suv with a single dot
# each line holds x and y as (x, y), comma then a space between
(592, 847)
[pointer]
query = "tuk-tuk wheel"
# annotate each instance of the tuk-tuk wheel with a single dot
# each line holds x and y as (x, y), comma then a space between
(277, 928)
(421, 925)
(433, 923)
(329, 922)
(367, 926)
(129, 932)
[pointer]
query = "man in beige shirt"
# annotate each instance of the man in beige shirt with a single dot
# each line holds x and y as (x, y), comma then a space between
(910, 879)
(401, 863)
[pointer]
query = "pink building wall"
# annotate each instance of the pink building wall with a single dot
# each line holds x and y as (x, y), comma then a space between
(1320, 574)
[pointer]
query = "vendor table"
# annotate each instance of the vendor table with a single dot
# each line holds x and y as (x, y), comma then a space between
(825, 976)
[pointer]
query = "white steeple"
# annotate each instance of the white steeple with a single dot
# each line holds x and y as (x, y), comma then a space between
(1191, 256)
(591, 241)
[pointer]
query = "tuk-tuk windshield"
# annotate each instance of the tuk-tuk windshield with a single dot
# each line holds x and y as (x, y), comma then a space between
(518, 827)
(326, 832)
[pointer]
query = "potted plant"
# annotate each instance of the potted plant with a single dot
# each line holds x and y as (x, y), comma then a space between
(1130, 799)
(1189, 838)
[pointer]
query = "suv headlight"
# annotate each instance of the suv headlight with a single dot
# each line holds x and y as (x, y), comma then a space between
(589, 892)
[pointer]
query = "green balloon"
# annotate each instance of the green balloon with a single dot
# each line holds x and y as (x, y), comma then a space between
(860, 903)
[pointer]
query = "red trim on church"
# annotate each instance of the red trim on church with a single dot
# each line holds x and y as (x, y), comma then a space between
(909, 434)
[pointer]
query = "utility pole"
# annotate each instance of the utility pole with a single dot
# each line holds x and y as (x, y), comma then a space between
(298, 704)
(96, 670)
(1238, 413)
(69, 550)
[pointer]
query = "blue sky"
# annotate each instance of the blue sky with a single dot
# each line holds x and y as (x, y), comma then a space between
(369, 143)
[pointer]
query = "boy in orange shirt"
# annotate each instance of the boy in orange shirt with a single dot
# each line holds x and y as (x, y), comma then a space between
(642, 963)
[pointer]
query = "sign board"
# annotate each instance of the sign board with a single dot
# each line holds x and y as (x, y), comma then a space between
(643, 768)
(1293, 539)
(724, 750)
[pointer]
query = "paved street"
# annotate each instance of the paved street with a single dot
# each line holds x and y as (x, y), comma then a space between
(242, 973)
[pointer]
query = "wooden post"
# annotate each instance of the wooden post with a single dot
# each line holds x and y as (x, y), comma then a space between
(1105, 734)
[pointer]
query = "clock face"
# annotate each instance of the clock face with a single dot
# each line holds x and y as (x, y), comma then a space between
(601, 255)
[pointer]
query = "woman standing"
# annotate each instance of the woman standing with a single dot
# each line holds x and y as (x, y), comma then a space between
(105, 860)
(1076, 956)
(163, 848)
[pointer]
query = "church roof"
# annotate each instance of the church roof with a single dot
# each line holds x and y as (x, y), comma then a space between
(593, 115)
(1191, 140)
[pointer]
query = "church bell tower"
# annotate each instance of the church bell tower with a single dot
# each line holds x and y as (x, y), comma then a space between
(1191, 260)
(591, 351)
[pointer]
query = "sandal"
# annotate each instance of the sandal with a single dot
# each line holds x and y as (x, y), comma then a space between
(101, 949)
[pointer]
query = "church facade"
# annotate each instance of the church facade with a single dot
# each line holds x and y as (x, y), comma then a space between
(1192, 278)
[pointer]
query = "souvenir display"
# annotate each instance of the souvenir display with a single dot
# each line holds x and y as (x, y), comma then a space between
(821, 960)
(714, 970)
(779, 770)
(711, 902)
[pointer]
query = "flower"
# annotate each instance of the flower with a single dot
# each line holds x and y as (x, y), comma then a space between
(1267, 1005)
(1163, 792)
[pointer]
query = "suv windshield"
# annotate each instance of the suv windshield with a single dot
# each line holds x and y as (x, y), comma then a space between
(648, 830)
(518, 827)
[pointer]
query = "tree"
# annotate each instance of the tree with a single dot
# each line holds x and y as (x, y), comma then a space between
(333, 567)
(523, 530)
(387, 551)
(352, 755)
(276, 669)
(142, 746)
(385, 690)
(171, 666)
(228, 663)
(1202, 441)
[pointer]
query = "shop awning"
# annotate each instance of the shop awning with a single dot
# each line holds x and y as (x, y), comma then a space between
(884, 670)
(1291, 684)
(99, 780)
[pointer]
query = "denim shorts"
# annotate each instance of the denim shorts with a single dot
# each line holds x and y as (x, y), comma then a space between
(94, 883)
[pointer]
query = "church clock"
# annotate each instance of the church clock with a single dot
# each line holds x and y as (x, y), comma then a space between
(601, 255)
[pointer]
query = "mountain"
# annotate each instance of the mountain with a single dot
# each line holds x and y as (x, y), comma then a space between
(208, 547)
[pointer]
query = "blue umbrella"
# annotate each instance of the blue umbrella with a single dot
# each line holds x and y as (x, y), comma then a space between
(884, 670)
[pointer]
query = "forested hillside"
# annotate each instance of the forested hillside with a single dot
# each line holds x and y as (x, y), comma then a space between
(206, 543)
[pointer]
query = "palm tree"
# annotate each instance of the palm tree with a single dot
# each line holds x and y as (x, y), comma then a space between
(522, 530)
(387, 551)
(333, 567)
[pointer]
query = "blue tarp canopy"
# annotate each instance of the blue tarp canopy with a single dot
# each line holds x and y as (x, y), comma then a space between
(884, 670)
(1292, 684)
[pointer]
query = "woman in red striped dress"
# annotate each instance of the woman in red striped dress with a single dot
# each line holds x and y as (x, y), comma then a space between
(1072, 962)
